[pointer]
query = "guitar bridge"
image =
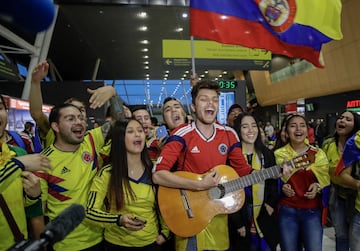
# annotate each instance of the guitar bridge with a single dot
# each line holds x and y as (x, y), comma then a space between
(186, 204)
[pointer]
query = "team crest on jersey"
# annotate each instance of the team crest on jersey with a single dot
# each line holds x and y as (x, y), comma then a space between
(222, 149)
(278, 14)
(86, 157)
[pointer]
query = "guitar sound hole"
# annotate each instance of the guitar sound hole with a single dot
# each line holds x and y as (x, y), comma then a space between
(217, 192)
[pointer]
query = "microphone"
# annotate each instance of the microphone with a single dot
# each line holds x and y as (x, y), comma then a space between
(64, 223)
(57, 229)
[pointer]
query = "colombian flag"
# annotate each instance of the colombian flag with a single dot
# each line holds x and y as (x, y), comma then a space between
(350, 154)
(295, 28)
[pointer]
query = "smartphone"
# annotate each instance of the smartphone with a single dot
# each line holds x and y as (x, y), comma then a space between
(142, 221)
(161, 132)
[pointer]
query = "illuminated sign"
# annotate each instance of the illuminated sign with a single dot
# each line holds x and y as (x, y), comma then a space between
(227, 84)
(353, 105)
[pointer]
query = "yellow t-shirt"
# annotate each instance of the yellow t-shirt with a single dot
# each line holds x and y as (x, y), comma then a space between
(143, 206)
(69, 182)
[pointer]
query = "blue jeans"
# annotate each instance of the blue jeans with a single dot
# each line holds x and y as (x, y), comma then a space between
(338, 212)
(192, 246)
(304, 222)
(355, 232)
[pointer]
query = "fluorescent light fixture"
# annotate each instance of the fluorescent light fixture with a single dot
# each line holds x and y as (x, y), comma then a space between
(143, 28)
(142, 14)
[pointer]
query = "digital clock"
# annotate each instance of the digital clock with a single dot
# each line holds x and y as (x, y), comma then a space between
(227, 84)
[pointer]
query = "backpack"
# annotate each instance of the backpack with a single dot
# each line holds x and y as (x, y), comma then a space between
(20, 142)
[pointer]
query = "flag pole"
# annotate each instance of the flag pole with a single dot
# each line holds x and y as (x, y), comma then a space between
(192, 56)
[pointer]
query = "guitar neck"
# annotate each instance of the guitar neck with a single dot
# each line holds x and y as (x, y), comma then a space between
(253, 178)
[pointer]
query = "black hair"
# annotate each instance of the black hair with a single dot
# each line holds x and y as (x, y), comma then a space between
(167, 99)
(55, 112)
(139, 107)
(234, 106)
(28, 125)
(279, 143)
(72, 99)
(3, 102)
(353, 131)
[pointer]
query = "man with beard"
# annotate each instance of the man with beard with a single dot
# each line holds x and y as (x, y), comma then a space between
(74, 158)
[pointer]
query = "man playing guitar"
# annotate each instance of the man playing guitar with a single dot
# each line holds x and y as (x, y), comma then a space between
(197, 148)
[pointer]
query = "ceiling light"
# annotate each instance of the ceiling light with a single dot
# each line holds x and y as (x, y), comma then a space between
(182, 78)
(166, 75)
(101, 12)
(165, 78)
(216, 78)
(146, 67)
(142, 14)
(220, 76)
(206, 72)
(144, 49)
(147, 75)
(146, 56)
(224, 17)
(186, 72)
(144, 41)
(180, 29)
(184, 15)
(143, 28)
(146, 62)
(167, 71)
(184, 75)
(224, 72)
(202, 75)
(147, 78)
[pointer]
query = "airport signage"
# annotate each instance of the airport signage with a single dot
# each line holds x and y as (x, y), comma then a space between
(212, 54)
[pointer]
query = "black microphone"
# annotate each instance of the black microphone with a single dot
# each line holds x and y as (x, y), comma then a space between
(64, 223)
(57, 229)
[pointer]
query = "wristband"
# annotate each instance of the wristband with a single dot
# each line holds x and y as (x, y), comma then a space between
(34, 198)
(18, 163)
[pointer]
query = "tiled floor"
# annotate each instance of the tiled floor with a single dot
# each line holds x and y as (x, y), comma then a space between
(328, 240)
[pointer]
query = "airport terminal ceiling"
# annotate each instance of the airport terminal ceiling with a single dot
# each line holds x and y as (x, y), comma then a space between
(124, 39)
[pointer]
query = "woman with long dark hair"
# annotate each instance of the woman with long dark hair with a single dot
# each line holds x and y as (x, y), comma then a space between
(122, 197)
(257, 224)
(341, 199)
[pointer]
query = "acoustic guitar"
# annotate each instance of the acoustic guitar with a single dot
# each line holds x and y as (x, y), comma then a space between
(188, 212)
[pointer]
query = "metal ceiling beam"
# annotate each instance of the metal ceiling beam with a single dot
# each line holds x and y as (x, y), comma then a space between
(128, 2)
